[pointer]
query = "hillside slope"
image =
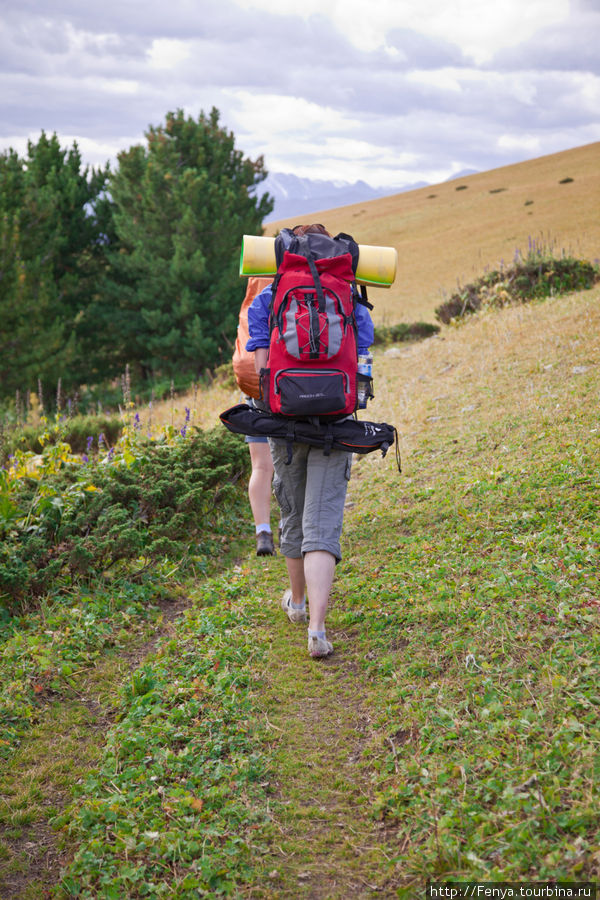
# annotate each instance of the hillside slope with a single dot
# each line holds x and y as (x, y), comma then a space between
(452, 734)
(455, 230)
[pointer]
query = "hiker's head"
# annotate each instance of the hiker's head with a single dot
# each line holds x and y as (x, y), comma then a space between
(301, 230)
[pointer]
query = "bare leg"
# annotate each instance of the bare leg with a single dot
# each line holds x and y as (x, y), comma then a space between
(295, 569)
(259, 486)
(319, 569)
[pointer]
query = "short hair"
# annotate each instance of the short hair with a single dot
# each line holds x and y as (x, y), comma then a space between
(301, 230)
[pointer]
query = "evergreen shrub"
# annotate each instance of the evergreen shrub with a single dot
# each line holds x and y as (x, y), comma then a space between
(535, 276)
(137, 504)
(75, 431)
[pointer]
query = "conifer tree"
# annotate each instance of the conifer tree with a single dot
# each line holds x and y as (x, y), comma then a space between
(51, 258)
(181, 206)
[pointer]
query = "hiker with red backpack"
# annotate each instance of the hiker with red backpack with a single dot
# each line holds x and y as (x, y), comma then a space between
(306, 331)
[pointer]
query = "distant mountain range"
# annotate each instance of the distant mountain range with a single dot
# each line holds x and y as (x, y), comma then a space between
(297, 196)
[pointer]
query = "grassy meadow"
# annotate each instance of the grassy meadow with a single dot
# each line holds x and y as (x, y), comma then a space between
(167, 735)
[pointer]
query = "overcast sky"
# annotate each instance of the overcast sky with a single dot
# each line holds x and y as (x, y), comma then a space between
(388, 91)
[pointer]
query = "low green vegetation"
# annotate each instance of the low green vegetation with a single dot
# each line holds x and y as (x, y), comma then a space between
(86, 546)
(480, 608)
(396, 334)
(95, 551)
(81, 433)
(175, 805)
(535, 276)
(43, 651)
(67, 519)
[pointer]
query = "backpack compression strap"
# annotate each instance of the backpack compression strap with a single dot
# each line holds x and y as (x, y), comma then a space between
(304, 250)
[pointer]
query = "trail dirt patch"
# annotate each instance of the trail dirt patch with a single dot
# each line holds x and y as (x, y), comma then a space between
(325, 841)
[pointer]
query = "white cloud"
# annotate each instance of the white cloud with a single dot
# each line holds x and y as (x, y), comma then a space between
(527, 142)
(113, 85)
(480, 31)
(167, 53)
(268, 115)
(442, 79)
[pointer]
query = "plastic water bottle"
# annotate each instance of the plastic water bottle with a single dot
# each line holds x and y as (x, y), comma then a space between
(365, 367)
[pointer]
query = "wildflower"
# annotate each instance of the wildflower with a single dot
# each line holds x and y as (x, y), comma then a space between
(110, 453)
(101, 439)
(85, 457)
(90, 441)
(188, 413)
(136, 421)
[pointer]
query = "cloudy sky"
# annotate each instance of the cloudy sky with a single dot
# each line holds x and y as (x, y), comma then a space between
(388, 91)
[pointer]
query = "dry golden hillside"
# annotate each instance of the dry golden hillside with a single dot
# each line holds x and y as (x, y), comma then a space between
(444, 235)
(453, 231)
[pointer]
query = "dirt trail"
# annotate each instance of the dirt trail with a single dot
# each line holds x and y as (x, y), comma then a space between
(326, 843)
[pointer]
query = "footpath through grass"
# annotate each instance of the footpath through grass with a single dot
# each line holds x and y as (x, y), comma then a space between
(454, 733)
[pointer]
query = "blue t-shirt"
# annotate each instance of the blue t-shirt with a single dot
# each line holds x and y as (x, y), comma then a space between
(258, 323)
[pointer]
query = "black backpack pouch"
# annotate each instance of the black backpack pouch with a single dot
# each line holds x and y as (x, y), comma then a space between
(349, 434)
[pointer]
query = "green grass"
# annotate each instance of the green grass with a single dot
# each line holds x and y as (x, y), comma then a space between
(480, 605)
(492, 701)
(172, 807)
(44, 652)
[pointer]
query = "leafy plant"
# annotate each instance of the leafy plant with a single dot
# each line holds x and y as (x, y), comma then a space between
(174, 806)
(63, 518)
(81, 433)
(536, 275)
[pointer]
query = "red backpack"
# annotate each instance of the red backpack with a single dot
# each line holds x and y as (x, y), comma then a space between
(312, 364)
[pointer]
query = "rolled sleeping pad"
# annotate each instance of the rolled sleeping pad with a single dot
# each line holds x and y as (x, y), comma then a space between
(376, 265)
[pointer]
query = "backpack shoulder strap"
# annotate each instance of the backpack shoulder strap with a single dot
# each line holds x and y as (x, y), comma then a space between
(363, 298)
(304, 249)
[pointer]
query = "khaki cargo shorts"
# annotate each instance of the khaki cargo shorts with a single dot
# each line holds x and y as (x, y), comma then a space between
(311, 493)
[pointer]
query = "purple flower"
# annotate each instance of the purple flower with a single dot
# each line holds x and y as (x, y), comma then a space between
(101, 439)
(136, 421)
(188, 413)
(85, 457)
(110, 453)
(90, 441)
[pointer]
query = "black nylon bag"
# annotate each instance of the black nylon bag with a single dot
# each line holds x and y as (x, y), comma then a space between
(351, 435)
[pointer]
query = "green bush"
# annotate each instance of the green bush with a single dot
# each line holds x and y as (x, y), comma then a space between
(75, 431)
(139, 504)
(533, 277)
(395, 334)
